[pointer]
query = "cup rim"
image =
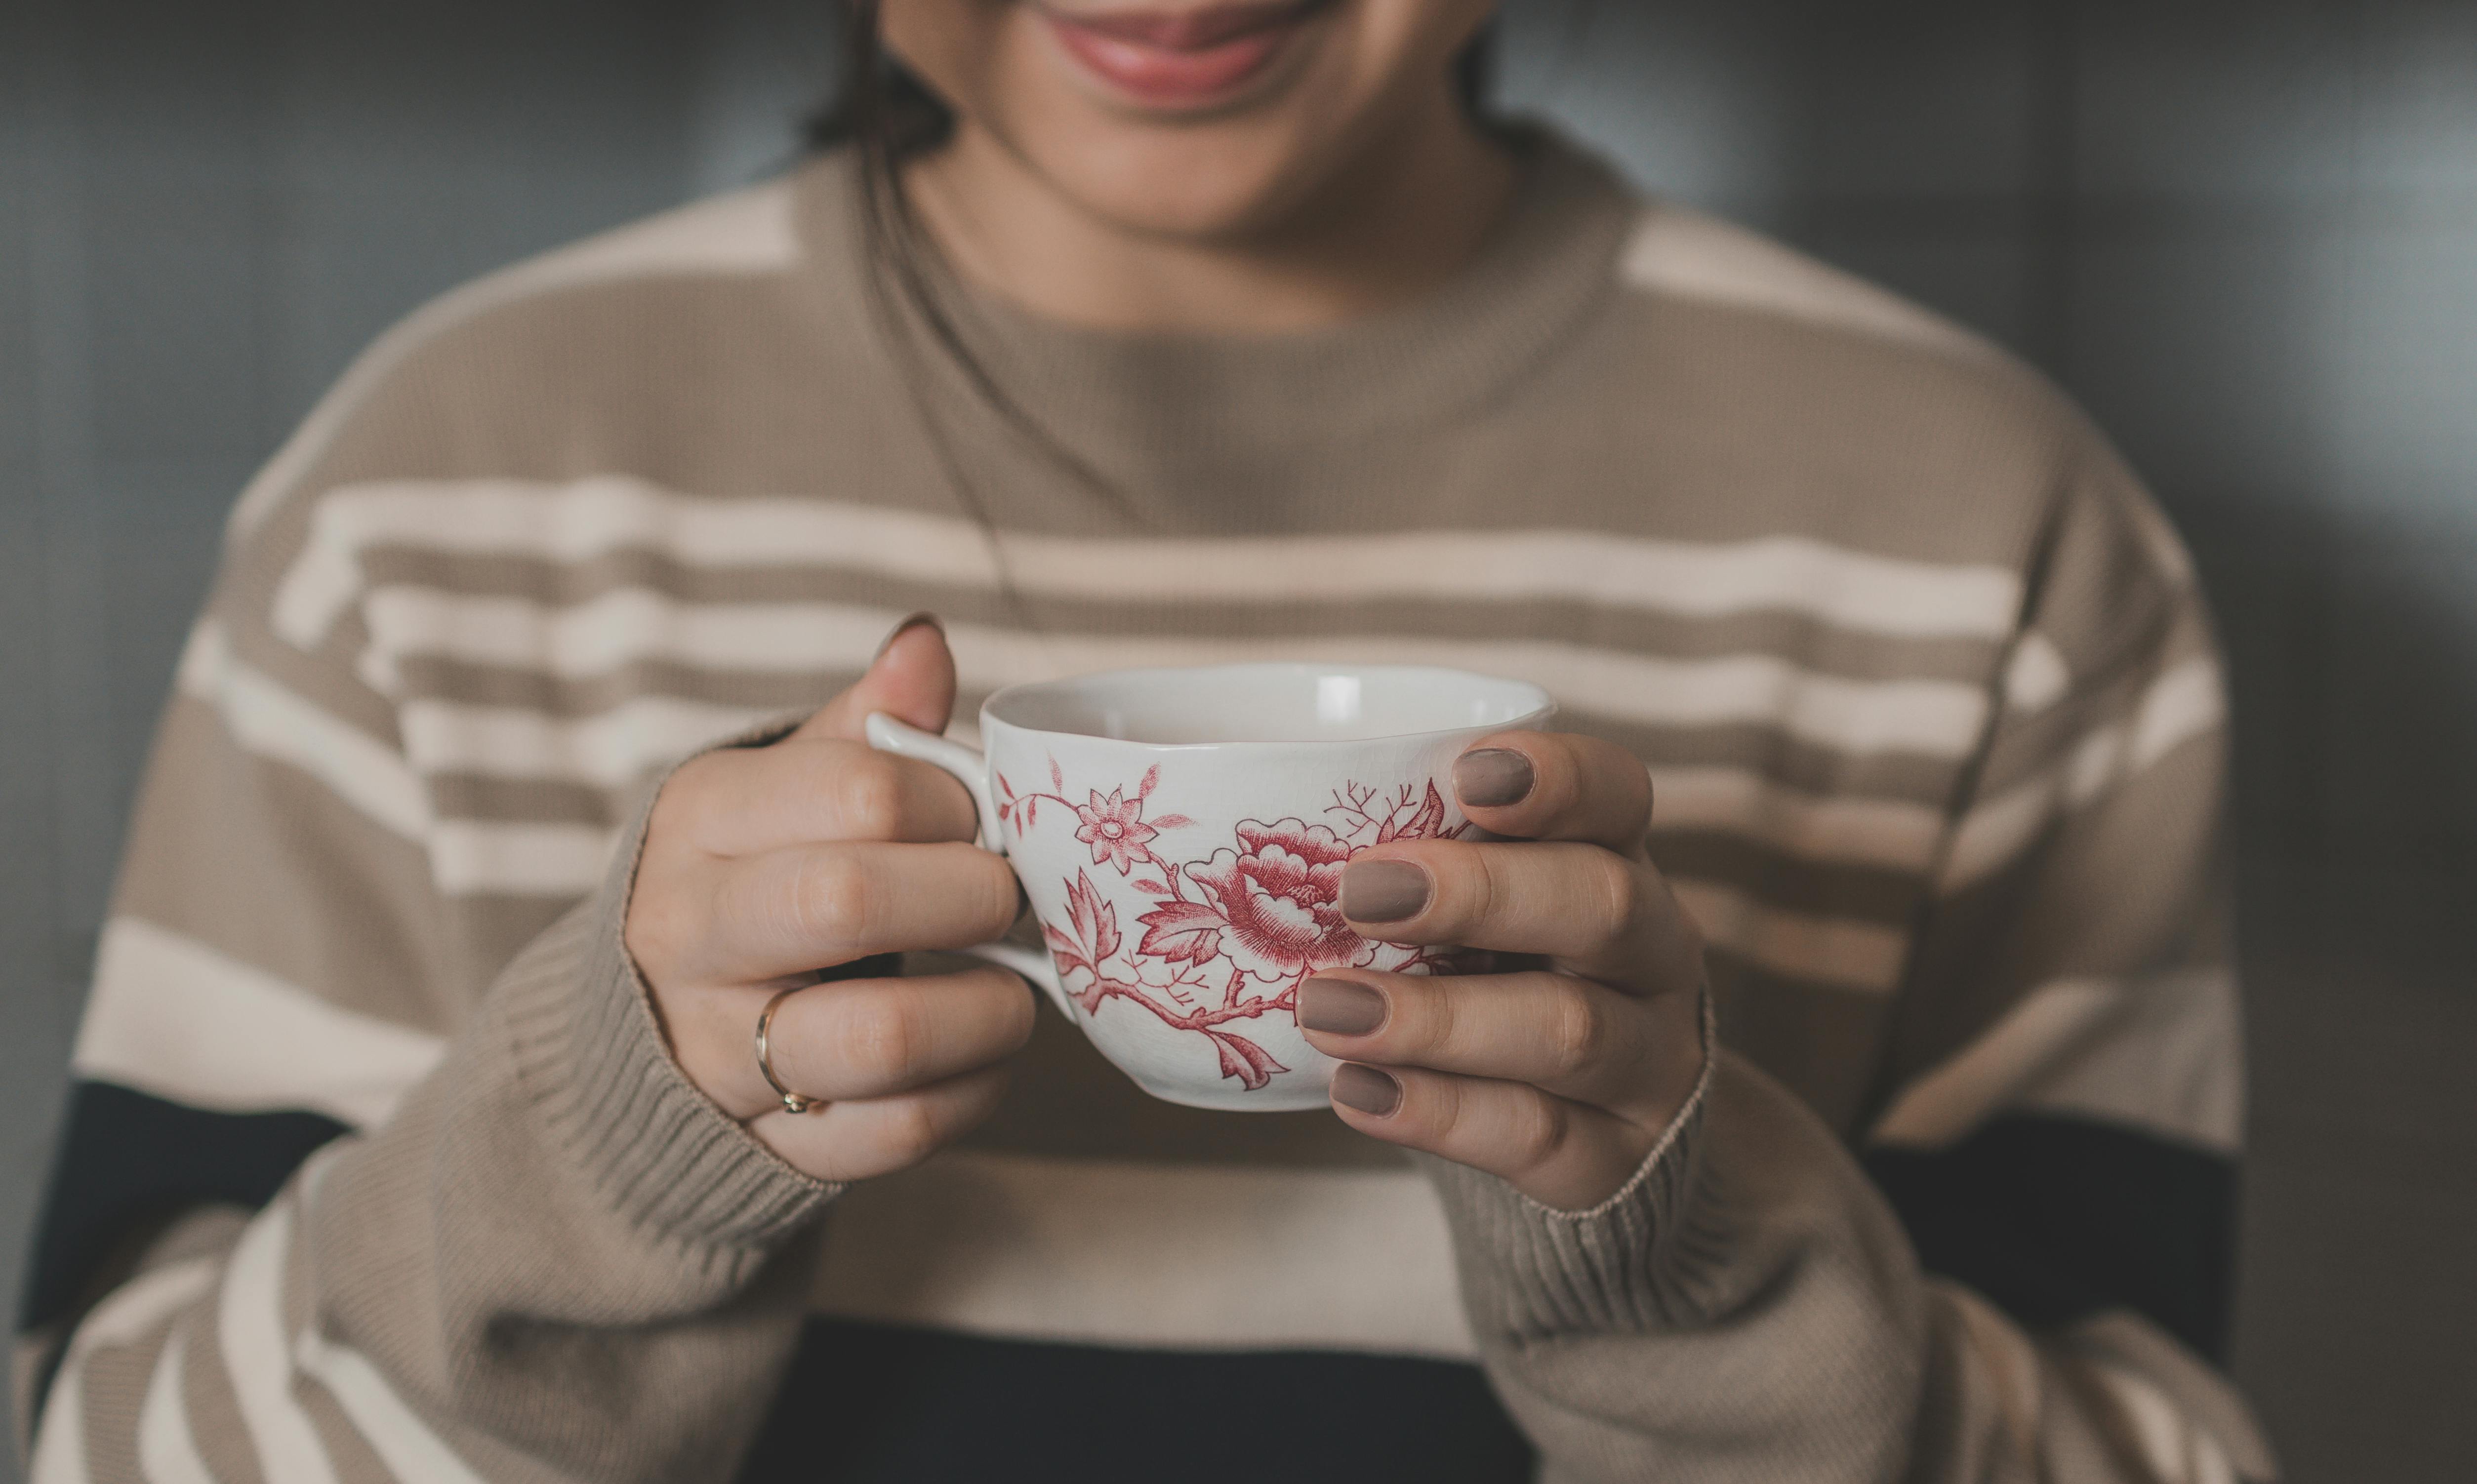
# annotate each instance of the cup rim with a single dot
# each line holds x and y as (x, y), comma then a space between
(1542, 705)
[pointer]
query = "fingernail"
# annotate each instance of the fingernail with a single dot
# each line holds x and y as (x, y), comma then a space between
(1366, 1088)
(1383, 891)
(1491, 777)
(909, 623)
(1339, 1007)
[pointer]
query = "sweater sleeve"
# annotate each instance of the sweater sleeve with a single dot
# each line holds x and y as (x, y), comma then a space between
(340, 1199)
(2021, 1277)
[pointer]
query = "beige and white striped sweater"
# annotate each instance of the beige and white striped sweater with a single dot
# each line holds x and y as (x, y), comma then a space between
(378, 1168)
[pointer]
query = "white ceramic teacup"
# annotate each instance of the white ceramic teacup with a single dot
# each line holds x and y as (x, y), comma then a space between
(1180, 834)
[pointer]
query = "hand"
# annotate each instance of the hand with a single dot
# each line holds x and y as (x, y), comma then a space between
(764, 865)
(1561, 1078)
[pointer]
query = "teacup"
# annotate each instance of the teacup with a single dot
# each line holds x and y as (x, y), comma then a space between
(1181, 836)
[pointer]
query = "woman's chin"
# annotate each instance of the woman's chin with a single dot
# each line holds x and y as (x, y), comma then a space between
(1216, 184)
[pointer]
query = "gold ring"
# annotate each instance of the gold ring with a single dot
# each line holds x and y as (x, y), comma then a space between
(792, 1102)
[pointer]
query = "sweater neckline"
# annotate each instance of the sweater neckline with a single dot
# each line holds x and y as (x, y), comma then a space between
(1133, 406)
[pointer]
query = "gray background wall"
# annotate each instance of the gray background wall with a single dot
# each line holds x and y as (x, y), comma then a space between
(2245, 235)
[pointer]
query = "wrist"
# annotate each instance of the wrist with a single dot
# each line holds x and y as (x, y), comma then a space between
(659, 1153)
(1623, 1265)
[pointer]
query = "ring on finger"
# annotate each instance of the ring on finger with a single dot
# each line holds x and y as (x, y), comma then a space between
(792, 1102)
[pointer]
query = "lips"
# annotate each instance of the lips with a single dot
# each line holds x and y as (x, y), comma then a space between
(1183, 58)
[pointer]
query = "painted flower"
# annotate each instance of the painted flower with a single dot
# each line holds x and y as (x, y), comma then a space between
(1115, 830)
(1276, 905)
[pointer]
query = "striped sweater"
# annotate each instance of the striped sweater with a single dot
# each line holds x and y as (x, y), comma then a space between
(378, 1169)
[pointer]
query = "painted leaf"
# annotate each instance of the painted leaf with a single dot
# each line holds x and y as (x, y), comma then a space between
(1095, 920)
(1104, 936)
(1152, 776)
(1251, 1064)
(1426, 824)
(1172, 822)
(1079, 940)
(1070, 963)
(1057, 778)
(1148, 883)
(1182, 932)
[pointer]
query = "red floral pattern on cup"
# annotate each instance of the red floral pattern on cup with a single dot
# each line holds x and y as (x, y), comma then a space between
(1229, 937)
(1115, 827)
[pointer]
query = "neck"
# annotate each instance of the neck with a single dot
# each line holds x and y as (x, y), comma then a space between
(1394, 221)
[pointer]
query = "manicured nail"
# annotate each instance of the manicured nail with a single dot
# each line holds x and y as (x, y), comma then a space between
(1493, 777)
(1339, 1007)
(1366, 1088)
(913, 621)
(1383, 891)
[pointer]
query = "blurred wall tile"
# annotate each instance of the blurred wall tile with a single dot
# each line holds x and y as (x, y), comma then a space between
(2403, 380)
(2416, 121)
(2214, 101)
(2400, 731)
(174, 281)
(2270, 593)
(2361, 1022)
(1962, 258)
(1929, 100)
(1692, 99)
(763, 70)
(2203, 340)
(2356, 1349)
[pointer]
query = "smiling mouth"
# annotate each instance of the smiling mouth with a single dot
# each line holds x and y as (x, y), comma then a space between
(1181, 59)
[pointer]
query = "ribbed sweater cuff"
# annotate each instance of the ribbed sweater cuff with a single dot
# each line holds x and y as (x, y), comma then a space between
(1629, 1265)
(669, 1161)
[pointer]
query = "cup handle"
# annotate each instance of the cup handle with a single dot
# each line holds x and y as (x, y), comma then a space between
(972, 771)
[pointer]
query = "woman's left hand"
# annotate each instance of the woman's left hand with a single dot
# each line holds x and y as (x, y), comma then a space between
(1560, 1079)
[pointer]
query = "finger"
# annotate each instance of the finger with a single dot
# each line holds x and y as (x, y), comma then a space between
(1592, 911)
(850, 1038)
(1559, 1153)
(1551, 786)
(1566, 1035)
(911, 679)
(746, 801)
(856, 1140)
(812, 907)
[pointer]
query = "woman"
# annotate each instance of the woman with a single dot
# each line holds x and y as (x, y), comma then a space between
(421, 1133)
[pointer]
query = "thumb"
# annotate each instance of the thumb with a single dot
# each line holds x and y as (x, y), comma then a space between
(911, 679)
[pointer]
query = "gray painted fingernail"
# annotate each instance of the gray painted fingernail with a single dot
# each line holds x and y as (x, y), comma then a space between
(909, 623)
(1339, 1007)
(1383, 891)
(1366, 1088)
(1493, 777)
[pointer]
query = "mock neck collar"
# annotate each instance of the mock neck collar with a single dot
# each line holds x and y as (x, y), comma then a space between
(1152, 412)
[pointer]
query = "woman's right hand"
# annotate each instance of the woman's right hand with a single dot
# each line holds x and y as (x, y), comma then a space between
(764, 865)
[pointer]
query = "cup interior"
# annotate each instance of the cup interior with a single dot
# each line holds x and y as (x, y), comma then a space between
(1220, 705)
